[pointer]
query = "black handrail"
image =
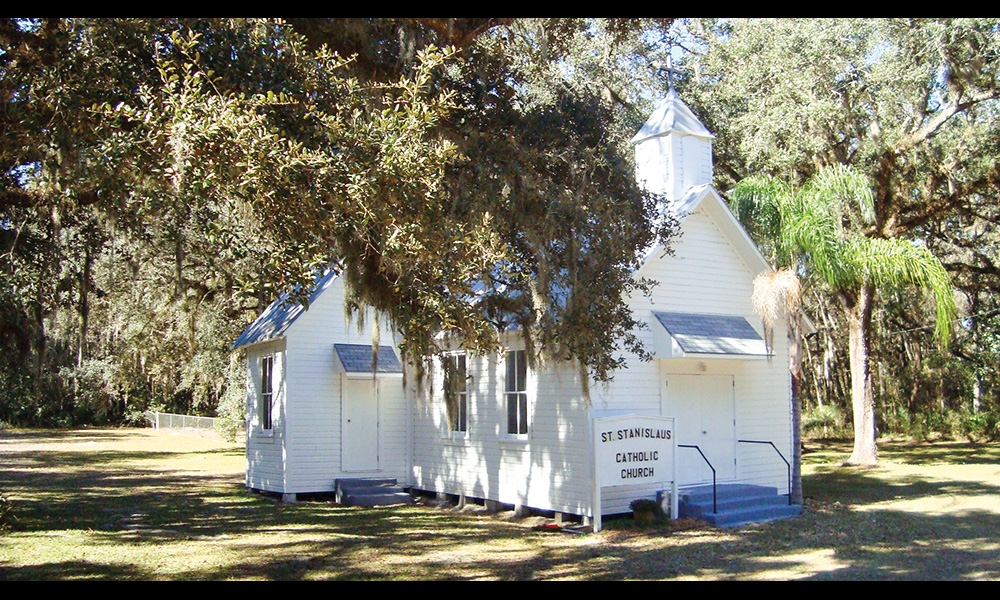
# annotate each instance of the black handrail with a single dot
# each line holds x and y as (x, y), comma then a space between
(715, 506)
(787, 465)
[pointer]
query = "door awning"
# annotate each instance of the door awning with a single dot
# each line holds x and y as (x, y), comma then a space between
(357, 359)
(701, 335)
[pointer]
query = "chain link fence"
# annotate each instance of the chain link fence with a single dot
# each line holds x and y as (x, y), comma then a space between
(159, 420)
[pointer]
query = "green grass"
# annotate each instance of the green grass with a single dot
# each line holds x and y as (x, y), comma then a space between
(140, 504)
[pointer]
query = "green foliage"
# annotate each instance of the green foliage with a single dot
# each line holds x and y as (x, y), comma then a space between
(820, 229)
(162, 180)
(643, 505)
(906, 106)
(8, 516)
(823, 422)
(230, 421)
(981, 427)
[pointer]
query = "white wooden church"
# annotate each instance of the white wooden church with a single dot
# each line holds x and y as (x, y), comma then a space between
(510, 435)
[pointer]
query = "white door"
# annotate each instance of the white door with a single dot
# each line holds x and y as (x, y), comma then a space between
(704, 407)
(360, 425)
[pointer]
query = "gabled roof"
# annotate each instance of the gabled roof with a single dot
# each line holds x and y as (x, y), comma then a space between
(279, 316)
(671, 114)
(706, 197)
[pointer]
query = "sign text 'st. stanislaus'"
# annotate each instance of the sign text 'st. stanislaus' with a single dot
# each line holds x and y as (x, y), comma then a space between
(636, 432)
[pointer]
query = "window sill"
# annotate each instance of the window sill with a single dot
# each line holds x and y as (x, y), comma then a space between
(454, 439)
(514, 440)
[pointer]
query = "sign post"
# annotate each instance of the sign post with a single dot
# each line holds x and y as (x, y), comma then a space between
(632, 449)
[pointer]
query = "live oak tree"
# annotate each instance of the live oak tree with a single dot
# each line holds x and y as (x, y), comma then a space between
(163, 179)
(806, 232)
(545, 162)
(909, 103)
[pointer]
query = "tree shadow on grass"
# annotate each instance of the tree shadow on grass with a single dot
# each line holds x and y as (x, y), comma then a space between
(852, 528)
(72, 570)
(941, 453)
(859, 486)
(906, 452)
(62, 436)
(887, 545)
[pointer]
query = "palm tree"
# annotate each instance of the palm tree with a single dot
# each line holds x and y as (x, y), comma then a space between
(823, 230)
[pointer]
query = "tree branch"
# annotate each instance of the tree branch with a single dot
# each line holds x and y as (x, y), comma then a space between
(462, 32)
(936, 207)
(23, 199)
(908, 142)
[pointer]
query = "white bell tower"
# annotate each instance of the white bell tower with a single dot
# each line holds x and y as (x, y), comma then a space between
(673, 150)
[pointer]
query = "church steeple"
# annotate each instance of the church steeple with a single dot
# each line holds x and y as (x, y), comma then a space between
(673, 150)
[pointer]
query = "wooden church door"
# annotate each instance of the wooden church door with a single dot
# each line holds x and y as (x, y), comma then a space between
(360, 425)
(704, 407)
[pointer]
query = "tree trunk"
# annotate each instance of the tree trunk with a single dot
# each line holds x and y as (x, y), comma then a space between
(83, 309)
(859, 319)
(795, 369)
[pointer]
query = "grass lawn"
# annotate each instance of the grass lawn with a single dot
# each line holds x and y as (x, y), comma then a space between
(144, 504)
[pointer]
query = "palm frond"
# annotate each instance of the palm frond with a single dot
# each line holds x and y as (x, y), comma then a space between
(756, 203)
(842, 190)
(897, 262)
(815, 234)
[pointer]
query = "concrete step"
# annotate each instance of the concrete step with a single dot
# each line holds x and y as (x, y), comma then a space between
(703, 493)
(376, 499)
(760, 514)
(696, 509)
(737, 504)
(370, 491)
(363, 484)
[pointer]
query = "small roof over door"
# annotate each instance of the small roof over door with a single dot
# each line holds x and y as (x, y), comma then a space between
(702, 335)
(356, 359)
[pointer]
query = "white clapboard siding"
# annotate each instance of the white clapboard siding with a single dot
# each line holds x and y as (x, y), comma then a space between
(706, 274)
(313, 445)
(265, 468)
(548, 471)
(552, 470)
(302, 453)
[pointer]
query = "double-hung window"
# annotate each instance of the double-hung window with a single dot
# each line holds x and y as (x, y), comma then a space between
(456, 396)
(266, 390)
(516, 393)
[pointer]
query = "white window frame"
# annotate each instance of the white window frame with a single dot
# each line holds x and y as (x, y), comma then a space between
(265, 411)
(453, 429)
(515, 395)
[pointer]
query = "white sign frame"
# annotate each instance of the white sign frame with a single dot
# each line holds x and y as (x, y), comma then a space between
(631, 449)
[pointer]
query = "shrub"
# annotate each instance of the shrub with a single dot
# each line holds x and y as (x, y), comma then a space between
(7, 518)
(644, 510)
(643, 504)
(979, 427)
(232, 405)
(822, 421)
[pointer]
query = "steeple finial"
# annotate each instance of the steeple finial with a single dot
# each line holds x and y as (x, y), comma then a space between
(671, 71)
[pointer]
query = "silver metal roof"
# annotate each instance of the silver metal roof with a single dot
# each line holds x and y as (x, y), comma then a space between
(357, 358)
(279, 316)
(671, 114)
(699, 333)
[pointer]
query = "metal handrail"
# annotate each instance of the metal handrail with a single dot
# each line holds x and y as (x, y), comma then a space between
(715, 505)
(787, 465)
